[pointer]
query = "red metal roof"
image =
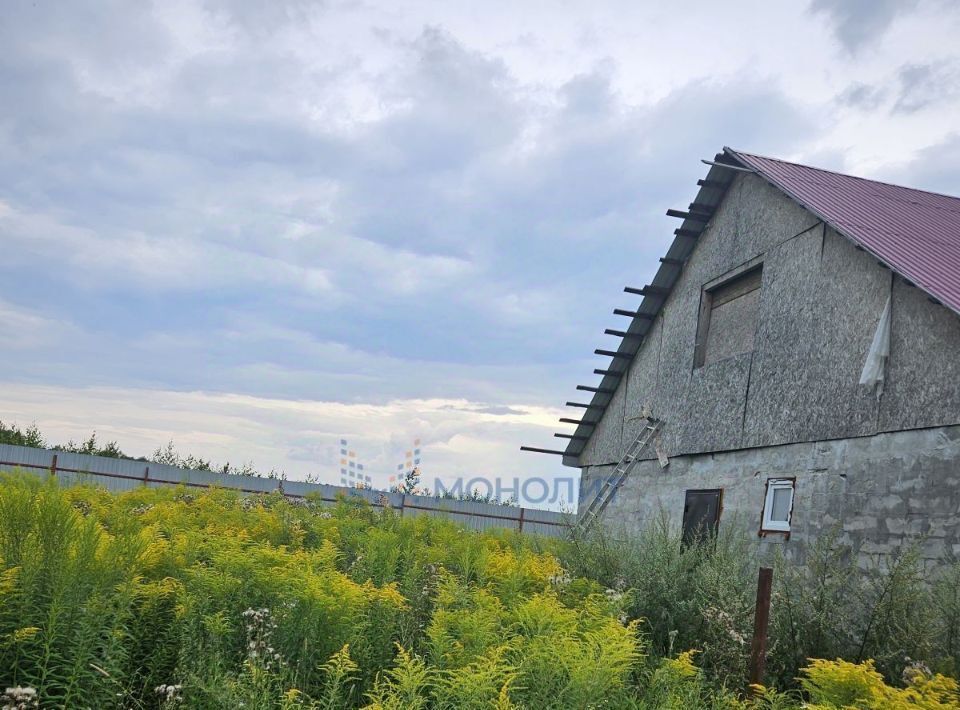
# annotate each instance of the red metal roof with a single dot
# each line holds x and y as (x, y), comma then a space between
(915, 233)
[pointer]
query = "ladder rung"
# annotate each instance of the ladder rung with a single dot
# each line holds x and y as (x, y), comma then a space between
(619, 475)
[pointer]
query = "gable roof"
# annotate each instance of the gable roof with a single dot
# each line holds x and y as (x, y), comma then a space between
(914, 233)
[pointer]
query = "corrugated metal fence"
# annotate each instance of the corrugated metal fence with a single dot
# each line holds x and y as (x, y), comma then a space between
(124, 475)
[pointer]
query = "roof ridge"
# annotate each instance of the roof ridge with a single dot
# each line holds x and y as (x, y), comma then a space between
(837, 172)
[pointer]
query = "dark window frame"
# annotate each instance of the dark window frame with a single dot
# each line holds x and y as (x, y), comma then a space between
(707, 297)
(686, 501)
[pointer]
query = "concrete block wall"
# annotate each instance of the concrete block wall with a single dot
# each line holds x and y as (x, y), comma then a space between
(879, 492)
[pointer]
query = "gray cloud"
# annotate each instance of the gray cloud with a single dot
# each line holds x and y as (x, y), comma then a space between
(495, 410)
(923, 85)
(859, 95)
(935, 168)
(474, 199)
(261, 18)
(858, 22)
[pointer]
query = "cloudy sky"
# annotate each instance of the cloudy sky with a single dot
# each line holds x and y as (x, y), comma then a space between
(255, 226)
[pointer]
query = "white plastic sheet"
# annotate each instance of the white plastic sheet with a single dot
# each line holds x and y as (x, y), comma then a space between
(876, 363)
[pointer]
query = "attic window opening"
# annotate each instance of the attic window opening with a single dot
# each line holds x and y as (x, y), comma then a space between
(728, 317)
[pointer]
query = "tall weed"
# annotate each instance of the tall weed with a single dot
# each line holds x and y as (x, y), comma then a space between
(831, 608)
(686, 596)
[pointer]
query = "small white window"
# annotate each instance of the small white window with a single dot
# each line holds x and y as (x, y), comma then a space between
(778, 506)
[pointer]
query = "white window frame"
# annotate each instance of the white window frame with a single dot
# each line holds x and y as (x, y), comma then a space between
(773, 485)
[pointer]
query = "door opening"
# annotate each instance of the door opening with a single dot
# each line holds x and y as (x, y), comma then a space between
(701, 514)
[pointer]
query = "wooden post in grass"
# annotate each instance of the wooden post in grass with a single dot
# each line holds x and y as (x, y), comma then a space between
(758, 648)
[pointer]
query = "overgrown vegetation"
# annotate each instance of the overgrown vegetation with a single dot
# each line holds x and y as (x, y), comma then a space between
(161, 598)
(889, 612)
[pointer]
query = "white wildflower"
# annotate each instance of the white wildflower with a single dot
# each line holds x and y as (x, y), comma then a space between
(613, 595)
(20, 698)
(915, 671)
(170, 694)
(260, 626)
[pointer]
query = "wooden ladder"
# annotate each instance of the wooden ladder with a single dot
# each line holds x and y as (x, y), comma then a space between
(610, 486)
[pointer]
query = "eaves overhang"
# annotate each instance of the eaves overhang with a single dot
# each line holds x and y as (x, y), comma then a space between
(695, 219)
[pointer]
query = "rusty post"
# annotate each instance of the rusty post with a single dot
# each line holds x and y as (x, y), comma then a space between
(146, 475)
(521, 520)
(53, 466)
(758, 648)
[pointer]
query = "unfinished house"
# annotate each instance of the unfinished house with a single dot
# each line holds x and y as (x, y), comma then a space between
(798, 352)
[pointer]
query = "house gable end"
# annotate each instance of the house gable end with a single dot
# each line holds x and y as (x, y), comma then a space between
(704, 408)
(820, 298)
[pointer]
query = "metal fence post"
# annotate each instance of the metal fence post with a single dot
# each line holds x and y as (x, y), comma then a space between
(758, 648)
(53, 466)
